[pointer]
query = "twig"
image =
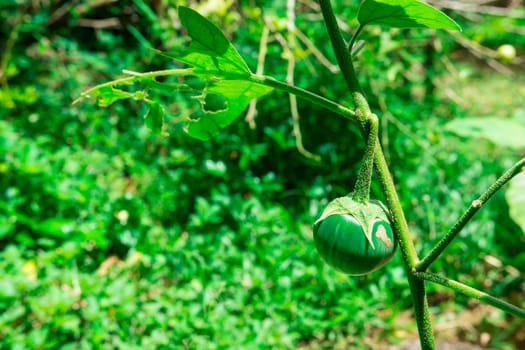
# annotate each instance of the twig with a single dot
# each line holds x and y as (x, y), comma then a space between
(475, 206)
(472, 292)
(482, 52)
(388, 116)
(287, 45)
(263, 49)
(81, 9)
(290, 24)
(11, 40)
(99, 23)
(316, 52)
(461, 6)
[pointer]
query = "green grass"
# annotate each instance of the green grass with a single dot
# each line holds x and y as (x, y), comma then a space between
(112, 237)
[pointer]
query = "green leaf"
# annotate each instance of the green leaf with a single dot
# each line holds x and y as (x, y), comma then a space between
(501, 132)
(206, 36)
(56, 227)
(227, 92)
(515, 196)
(210, 51)
(155, 117)
(107, 95)
(237, 95)
(404, 14)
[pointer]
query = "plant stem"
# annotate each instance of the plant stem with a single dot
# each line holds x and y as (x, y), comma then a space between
(398, 217)
(10, 43)
(469, 213)
(344, 60)
(410, 258)
(421, 312)
(472, 292)
(417, 287)
(133, 77)
(354, 38)
(259, 79)
(364, 178)
(305, 94)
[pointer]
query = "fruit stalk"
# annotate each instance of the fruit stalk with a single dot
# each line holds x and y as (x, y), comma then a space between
(362, 186)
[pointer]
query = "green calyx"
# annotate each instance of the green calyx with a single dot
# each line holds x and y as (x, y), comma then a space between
(364, 213)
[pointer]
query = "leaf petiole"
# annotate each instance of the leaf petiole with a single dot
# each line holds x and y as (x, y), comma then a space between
(472, 293)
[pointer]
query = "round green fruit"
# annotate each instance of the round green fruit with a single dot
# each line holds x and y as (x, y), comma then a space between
(506, 53)
(351, 245)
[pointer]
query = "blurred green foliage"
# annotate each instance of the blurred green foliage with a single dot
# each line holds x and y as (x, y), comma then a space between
(113, 237)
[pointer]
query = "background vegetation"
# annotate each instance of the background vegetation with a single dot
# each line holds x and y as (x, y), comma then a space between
(113, 237)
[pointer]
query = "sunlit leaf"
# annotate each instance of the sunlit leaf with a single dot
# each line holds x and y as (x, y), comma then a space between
(237, 95)
(224, 95)
(155, 117)
(501, 132)
(515, 196)
(56, 227)
(210, 51)
(404, 14)
(108, 95)
(207, 37)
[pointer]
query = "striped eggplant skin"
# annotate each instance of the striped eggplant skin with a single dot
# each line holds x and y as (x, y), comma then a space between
(342, 244)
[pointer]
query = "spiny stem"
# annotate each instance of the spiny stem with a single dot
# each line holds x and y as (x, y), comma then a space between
(469, 213)
(398, 217)
(472, 292)
(417, 287)
(421, 312)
